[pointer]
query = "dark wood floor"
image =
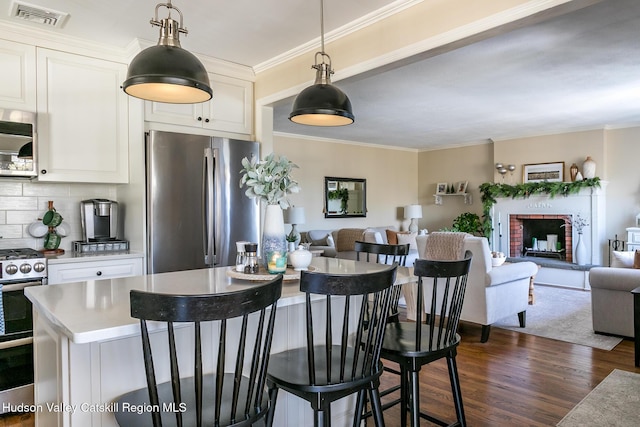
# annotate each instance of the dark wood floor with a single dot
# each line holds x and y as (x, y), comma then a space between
(512, 380)
(516, 379)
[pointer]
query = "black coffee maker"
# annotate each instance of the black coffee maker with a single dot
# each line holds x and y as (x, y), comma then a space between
(99, 220)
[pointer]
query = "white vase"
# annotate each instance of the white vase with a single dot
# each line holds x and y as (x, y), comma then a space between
(581, 251)
(274, 242)
(589, 168)
(300, 258)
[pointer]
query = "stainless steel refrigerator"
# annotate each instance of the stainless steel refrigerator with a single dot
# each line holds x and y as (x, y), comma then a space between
(195, 209)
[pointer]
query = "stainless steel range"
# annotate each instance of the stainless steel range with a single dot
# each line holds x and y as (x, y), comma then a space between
(19, 268)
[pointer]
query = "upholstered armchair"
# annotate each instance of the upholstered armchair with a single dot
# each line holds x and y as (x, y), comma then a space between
(493, 293)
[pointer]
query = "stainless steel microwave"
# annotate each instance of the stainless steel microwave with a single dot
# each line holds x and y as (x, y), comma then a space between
(18, 149)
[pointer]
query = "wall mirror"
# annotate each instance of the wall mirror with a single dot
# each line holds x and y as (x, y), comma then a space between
(345, 197)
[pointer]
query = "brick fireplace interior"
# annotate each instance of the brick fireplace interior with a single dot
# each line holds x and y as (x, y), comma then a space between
(523, 228)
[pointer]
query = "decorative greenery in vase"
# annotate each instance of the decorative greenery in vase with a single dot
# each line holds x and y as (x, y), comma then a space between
(269, 180)
(578, 223)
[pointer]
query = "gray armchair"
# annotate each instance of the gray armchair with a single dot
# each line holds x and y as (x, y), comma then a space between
(611, 299)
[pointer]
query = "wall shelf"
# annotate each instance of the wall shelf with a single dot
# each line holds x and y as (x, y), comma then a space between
(468, 200)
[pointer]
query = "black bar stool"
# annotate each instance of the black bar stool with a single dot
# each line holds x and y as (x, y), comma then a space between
(238, 398)
(414, 344)
(333, 365)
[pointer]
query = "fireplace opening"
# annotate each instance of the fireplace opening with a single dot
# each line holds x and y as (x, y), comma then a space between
(541, 235)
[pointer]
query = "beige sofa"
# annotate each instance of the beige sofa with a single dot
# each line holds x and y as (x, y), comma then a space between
(340, 243)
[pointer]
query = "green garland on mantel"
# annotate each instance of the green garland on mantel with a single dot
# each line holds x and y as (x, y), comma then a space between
(490, 191)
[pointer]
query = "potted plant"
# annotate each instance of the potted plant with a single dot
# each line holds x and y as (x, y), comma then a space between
(467, 222)
(343, 195)
(269, 180)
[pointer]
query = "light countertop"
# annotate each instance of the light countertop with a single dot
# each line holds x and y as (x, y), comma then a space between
(71, 256)
(97, 310)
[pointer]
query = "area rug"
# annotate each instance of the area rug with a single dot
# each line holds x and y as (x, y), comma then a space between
(614, 402)
(561, 314)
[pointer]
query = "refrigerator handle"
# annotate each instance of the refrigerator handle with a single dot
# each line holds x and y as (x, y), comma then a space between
(208, 214)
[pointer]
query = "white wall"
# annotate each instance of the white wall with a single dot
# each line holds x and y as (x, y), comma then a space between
(391, 174)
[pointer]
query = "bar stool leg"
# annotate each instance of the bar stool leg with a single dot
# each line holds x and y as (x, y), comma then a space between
(636, 324)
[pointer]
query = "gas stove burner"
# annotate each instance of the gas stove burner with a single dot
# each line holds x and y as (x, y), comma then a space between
(20, 253)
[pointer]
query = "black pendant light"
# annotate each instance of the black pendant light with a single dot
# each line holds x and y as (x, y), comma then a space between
(322, 104)
(166, 72)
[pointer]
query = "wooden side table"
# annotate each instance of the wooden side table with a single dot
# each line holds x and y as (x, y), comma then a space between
(636, 324)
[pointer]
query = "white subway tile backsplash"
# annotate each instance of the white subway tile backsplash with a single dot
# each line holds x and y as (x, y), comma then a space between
(24, 202)
(10, 188)
(46, 190)
(22, 217)
(11, 231)
(14, 203)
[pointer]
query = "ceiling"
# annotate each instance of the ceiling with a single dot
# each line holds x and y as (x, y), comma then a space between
(576, 71)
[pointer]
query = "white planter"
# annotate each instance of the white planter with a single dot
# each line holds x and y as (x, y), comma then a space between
(273, 235)
(581, 251)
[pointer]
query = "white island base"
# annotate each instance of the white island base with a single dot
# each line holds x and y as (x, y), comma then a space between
(87, 348)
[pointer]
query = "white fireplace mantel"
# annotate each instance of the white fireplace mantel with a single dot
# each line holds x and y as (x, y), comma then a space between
(589, 203)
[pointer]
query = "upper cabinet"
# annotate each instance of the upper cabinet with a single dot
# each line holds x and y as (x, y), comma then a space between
(82, 119)
(18, 83)
(230, 109)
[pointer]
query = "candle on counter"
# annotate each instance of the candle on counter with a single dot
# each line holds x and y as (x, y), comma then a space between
(277, 262)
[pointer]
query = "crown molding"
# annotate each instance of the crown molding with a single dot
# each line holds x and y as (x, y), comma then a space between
(343, 142)
(338, 33)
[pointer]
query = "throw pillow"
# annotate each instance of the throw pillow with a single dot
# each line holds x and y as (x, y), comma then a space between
(392, 237)
(410, 238)
(330, 241)
(372, 236)
(347, 238)
(636, 259)
(622, 259)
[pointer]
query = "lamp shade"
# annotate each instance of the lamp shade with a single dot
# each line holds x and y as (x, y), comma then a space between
(168, 74)
(294, 215)
(412, 211)
(322, 105)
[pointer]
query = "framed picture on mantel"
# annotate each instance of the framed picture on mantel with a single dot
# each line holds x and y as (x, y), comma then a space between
(552, 172)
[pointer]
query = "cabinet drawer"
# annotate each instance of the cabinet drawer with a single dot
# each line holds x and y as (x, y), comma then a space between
(94, 270)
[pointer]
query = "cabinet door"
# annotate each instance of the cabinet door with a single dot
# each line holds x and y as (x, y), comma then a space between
(230, 109)
(82, 119)
(18, 82)
(177, 114)
(93, 270)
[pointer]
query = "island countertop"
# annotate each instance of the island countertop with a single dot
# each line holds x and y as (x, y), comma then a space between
(98, 310)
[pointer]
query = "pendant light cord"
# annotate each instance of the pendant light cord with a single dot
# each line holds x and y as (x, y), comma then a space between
(322, 26)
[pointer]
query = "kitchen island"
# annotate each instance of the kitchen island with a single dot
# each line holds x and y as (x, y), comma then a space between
(87, 349)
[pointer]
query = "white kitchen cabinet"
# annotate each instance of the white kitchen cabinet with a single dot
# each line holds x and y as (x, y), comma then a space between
(230, 109)
(18, 83)
(78, 270)
(82, 119)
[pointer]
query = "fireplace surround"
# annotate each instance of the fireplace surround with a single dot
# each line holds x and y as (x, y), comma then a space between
(511, 218)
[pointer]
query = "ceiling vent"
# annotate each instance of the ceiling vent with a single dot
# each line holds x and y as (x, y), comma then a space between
(37, 14)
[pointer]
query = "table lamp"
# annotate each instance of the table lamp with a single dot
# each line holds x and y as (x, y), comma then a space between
(413, 212)
(294, 216)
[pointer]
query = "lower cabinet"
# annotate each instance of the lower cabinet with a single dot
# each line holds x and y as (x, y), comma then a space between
(78, 271)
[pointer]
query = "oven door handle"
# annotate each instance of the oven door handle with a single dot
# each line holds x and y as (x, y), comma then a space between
(19, 286)
(16, 343)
